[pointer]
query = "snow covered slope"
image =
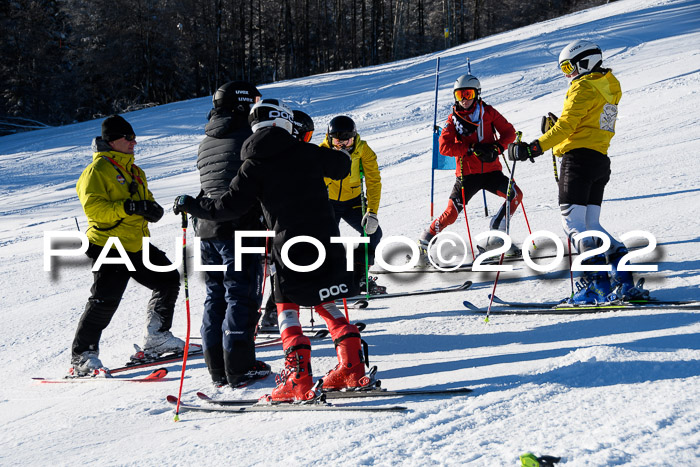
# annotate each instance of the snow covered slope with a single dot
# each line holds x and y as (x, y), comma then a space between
(618, 388)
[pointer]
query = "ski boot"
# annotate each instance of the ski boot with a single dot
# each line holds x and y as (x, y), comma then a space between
(623, 285)
(594, 286)
(374, 289)
(424, 250)
(492, 243)
(349, 373)
(87, 364)
(259, 371)
(159, 343)
(295, 382)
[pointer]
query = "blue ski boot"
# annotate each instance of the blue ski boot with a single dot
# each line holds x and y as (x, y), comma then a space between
(623, 286)
(594, 286)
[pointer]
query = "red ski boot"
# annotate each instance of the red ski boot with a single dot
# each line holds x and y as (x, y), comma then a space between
(350, 371)
(295, 381)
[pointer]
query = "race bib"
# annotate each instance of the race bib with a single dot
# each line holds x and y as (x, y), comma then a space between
(608, 117)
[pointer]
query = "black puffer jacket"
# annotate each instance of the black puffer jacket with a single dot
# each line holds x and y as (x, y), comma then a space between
(286, 177)
(218, 161)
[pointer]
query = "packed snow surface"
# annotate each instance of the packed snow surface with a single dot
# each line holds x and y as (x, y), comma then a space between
(615, 388)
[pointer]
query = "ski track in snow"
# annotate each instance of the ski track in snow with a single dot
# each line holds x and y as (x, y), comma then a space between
(613, 388)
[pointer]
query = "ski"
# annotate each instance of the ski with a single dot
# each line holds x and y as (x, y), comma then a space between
(171, 358)
(438, 290)
(350, 394)
(156, 375)
(648, 303)
(276, 330)
(315, 405)
(466, 267)
(525, 308)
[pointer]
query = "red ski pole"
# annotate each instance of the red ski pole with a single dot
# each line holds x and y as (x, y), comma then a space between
(187, 307)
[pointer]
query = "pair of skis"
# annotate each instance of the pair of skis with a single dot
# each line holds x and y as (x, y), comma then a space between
(318, 404)
(554, 308)
(412, 293)
(109, 375)
(156, 375)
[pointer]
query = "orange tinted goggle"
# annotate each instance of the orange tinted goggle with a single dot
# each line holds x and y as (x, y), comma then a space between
(566, 67)
(467, 94)
(307, 136)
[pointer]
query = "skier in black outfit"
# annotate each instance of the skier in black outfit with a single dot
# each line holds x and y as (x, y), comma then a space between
(233, 297)
(273, 159)
(303, 130)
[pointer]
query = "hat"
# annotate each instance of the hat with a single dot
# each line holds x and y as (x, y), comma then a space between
(115, 127)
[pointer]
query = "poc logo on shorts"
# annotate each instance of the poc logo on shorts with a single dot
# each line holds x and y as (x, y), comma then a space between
(332, 291)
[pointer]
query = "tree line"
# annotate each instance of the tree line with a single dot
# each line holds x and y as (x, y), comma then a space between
(63, 61)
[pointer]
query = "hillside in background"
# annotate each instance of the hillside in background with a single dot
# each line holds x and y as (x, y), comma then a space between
(618, 388)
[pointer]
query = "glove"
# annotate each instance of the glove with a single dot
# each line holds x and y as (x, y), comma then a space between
(487, 152)
(370, 223)
(524, 151)
(548, 122)
(183, 203)
(150, 210)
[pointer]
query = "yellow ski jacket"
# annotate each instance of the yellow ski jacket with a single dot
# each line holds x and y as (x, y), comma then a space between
(589, 115)
(102, 189)
(350, 187)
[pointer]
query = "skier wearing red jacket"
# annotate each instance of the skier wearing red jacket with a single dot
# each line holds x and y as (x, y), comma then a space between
(475, 134)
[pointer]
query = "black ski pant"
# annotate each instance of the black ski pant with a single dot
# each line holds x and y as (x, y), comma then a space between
(108, 287)
(351, 212)
(583, 176)
(230, 310)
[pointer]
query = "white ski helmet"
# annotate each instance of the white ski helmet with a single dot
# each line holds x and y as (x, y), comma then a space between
(580, 56)
(467, 82)
(270, 112)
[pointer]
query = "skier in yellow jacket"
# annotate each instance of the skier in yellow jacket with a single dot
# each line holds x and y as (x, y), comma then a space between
(345, 194)
(581, 137)
(117, 202)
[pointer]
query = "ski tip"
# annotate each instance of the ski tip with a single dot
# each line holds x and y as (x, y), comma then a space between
(160, 373)
(321, 333)
(203, 396)
(361, 304)
(360, 326)
(171, 399)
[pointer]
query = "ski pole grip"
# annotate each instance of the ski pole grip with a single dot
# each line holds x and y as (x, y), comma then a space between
(184, 220)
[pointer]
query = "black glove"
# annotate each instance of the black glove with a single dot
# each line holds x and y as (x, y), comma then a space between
(183, 203)
(524, 151)
(487, 152)
(548, 122)
(150, 210)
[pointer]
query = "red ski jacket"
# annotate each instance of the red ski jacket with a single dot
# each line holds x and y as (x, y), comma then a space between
(495, 129)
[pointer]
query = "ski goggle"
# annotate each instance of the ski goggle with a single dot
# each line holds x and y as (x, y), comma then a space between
(567, 67)
(307, 136)
(338, 142)
(129, 138)
(467, 94)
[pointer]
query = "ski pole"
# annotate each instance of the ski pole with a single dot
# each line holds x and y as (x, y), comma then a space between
(262, 292)
(464, 208)
(364, 231)
(187, 307)
(518, 137)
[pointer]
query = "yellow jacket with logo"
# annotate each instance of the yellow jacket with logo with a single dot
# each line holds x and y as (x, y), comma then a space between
(589, 115)
(103, 187)
(350, 187)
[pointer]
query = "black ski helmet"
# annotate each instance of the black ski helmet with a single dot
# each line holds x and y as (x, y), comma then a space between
(237, 96)
(303, 126)
(342, 128)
